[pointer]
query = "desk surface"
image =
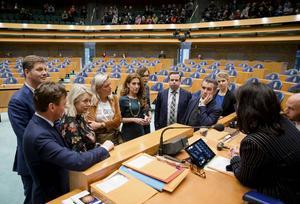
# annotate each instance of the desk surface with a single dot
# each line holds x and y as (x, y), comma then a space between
(216, 188)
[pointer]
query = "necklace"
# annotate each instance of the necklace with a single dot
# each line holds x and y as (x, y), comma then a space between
(130, 108)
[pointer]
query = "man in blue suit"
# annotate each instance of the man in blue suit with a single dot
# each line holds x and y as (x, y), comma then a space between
(20, 111)
(171, 103)
(202, 110)
(46, 153)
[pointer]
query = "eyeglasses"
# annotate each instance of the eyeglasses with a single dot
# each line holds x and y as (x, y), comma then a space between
(145, 75)
(198, 171)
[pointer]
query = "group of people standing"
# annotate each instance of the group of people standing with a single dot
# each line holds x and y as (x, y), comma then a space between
(57, 132)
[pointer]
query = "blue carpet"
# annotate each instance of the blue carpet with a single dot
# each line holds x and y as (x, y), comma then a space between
(11, 187)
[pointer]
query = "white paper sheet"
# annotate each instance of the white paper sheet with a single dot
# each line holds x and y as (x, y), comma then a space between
(140, 162)
(112, 183)
(219, 164)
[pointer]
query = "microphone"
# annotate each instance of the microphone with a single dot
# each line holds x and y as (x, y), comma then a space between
(221, 144)
(177, 144)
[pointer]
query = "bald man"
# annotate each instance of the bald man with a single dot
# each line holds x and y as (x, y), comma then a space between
(292, 109)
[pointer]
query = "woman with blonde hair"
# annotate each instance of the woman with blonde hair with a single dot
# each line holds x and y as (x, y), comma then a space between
(224, 97)
(132, 104)
(104, 114)
(74, 129)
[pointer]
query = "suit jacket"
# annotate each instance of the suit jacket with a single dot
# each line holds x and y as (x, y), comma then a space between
(49, 159)
(228, 103)
(208, 115)
(161, 107)
(271, 163)
(20, 111)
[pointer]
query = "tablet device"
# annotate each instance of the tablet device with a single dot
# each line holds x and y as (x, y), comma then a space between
(200, 153)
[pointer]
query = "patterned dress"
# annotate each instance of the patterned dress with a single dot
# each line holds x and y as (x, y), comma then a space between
(77, 133)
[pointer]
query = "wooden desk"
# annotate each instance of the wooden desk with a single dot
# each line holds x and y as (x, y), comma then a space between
(216, 188)
(65, 196)
(148, 143)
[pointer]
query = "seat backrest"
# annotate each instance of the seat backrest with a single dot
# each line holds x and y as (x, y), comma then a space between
(10, 80)
(232, 87)
(79, 80)
(294, 89)
(153, 77)
(253, 80)
(115, 75)
(279, 95)
(294, 79)
(157, 86)
(272, 76)
(275, 84)
(195, 75)
(187, 81)
(291, 72)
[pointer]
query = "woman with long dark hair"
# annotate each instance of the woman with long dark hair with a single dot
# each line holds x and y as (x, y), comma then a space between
(269, 156)
(132, 105)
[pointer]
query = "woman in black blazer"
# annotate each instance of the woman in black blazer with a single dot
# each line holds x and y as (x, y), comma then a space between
(224, 96)
(269, 156)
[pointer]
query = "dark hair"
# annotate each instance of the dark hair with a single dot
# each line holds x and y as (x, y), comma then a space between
(46, 93)
(171, 73)
(211, 81)
(140, 94)
(30, 60)
(258, 109)
(141, 71)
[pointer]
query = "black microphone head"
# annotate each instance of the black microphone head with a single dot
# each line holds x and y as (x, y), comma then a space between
(220, 146)
(219, 127)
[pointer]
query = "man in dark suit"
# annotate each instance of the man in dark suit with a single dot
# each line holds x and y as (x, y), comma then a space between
(203, 110)
(20, 111)
(171, 103)
(46, 153)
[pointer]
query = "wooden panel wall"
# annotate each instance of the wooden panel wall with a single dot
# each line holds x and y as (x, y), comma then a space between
(272, 51)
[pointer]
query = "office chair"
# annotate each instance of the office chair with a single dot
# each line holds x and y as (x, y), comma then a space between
(252, 80)
(130, 71)
(195, 75)
(258, 66)
(10, 80)
(157, 87)
(174, 69)
(291, 72)
(279, 95)
(272, 76)
(259, 198)
(187, 69)
(294, 89)
(153, 77)
(166, 79)
(275, 84)
(201, 70)
(115, 75)
(79, 80)
(232, 87)
(294, 79)
(247, 69)
(163, 72)
(187, 81)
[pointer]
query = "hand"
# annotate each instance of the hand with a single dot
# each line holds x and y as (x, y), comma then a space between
(207, 99)
(139, 121)
(147, 119)
(234, 151)
(108, 145)
(95, 125)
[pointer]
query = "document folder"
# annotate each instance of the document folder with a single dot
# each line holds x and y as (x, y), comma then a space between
(154, 168)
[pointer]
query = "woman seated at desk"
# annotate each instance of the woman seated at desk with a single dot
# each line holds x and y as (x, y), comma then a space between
(74, 129)
(269, 158)
(104, 114)
(132, 104)
(224, 96)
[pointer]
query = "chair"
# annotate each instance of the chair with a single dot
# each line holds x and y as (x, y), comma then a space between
(151, 64)
(213, 67)
(279, 95)
(294, 89)
(187, 81)
(212, 76)
(191, 62)
(203, 63)
(253, 80)
(130, 71)
(181, 65)
(54, 69)
(157, 87)
(103, 70)
(153, 77)
(181, 73)
(243, 65)
(232, 87)
(10, 80)
(163, 72)
(291, 72)
(174, 69)
(129, 66)
(247, 69)
(116, 66)
(229, 68)
(232, 73)
(83, 74)
(294, 79)
(195, 75)
(215, 72)
(272, 76)
(166, 79)
(79, 80)
(187, 69)
(197, 66)
(6, 75)
(115, 75)
(258, 66)
(259, 198)
(116, 70)
(275, 84)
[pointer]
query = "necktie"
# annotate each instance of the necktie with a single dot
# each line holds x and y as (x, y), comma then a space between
(172, 108)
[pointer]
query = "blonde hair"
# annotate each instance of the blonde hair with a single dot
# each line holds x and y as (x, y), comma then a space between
(98, 80)
(74, 95)
(222, 75)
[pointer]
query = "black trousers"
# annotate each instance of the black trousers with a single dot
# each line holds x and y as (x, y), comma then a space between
(27, 185)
